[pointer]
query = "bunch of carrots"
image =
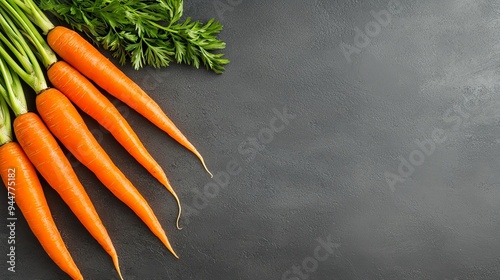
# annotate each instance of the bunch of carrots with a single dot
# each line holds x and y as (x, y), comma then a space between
(28, 56)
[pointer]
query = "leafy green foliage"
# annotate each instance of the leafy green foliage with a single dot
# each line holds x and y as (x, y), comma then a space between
(146, 32)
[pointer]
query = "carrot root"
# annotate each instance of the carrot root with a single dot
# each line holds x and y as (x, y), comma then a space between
(66, 124)
(44, 152)
(89, 99)
(31, 200)
(82, 55)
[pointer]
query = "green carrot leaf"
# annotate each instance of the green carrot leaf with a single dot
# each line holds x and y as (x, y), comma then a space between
(143, 32)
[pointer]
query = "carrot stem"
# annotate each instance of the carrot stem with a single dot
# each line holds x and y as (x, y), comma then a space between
(34, 77)
(5, 121)
(17, 50)
(13, 92)
(27, 77)
(48, 57)
(35, 14)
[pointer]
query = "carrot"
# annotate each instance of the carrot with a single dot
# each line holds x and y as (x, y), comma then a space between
(67, 125)
(75, 50)
(48, 158)
(30, 199)
(20, 179)
(77, 88)
(34, 137)
(89, 99)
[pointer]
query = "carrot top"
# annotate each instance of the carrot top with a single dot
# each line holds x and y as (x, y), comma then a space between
(143, 32)
(5, 121)
(11, 90)
(16, 51)
(23, 18)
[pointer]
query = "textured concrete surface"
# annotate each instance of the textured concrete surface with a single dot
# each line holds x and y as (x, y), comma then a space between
(350, 139)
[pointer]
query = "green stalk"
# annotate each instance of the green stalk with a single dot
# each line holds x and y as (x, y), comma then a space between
(5, 122)
(27, 77)
(12, 91)
(47, 56)
(143, 32)
(18, 52)
(165, 28)
(34, 14)
(34, 76)
(12, 44)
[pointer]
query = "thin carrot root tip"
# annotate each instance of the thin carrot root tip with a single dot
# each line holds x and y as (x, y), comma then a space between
(205, 166)
(168, 246)
(177, 200)
(198, 155)
(117, 267)
(180, 211)
(178, 218)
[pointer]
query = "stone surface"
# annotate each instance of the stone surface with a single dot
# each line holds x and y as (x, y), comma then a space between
(349, 139)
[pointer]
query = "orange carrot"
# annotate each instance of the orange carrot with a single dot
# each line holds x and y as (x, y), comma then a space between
(44, 152)
(48, 158)
(19, 175)
(75, 50)
(67, 125)
(89, 99)
(35, 139)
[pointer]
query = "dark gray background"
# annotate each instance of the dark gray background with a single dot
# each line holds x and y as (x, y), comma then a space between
(432, 68)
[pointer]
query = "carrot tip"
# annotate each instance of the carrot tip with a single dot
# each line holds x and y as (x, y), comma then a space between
(171, 250)
(171, 190)
(175, 255)
(117, 266)
(177, 224)
(202, 161)
(206, 168)
(179, 214)
(164, 239)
